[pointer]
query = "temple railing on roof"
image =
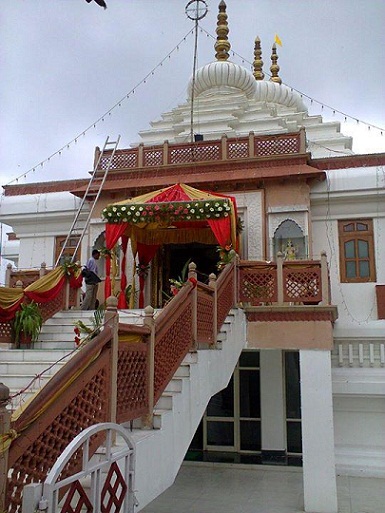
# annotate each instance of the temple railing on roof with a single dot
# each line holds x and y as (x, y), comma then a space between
(223, 149)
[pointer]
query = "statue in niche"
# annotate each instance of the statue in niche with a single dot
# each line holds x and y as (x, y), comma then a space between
(290, 251)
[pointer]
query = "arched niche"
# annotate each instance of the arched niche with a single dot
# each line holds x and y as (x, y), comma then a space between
(290, 240)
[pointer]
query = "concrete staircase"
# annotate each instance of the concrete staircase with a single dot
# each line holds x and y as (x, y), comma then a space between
(158, 452)
(25, 371)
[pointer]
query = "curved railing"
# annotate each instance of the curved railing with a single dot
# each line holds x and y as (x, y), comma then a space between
(117, 376)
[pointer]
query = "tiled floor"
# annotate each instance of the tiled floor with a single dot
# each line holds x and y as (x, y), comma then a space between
(239, 489)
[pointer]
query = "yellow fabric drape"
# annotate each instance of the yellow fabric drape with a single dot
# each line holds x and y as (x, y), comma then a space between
(132, 339)
(9, 297)
(47, 282)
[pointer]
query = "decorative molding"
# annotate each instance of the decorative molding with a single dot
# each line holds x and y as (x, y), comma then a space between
(300, 218)
(290, 313)
(252, 203)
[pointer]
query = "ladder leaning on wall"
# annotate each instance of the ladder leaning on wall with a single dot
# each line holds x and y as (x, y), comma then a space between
(94, 180)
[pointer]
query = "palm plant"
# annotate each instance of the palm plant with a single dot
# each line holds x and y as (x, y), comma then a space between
(28, 322)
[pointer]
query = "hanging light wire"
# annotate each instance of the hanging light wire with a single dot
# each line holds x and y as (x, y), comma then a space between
(107, 113)
(151, 73)
(304, 95)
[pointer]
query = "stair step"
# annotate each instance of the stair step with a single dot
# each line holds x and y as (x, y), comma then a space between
(34, 355)
(164, 402)
(183, 371)
(191, 357)
(29, 368)
(51, 345)
(175, 385)
(17, 382)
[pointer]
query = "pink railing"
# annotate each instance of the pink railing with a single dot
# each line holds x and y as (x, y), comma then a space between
(205, 151)
(118, 376)
(283, 282)
(121, 373)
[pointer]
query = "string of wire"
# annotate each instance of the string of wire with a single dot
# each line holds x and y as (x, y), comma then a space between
(150, 73)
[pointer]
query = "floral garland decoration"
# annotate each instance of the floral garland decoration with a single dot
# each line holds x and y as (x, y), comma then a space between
(175, 211)
(89, 332)
(226, 255)
(72, 271)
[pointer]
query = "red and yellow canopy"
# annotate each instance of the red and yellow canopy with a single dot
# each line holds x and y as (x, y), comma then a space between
(174, 215)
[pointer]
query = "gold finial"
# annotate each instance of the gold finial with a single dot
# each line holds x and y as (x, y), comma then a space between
(222, 45)
(274, 68)
(258, 62)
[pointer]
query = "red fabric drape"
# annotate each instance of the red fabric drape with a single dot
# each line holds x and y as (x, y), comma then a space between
(122, 302)
(113, 232)
(6, 314)
(76, 281)
(145, 254)
(47, 296)
(221, 228)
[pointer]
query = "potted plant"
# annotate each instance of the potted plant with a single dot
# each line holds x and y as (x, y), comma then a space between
(27, 324)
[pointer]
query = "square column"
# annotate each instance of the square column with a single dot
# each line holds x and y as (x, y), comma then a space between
(319, 477)
(273, 417)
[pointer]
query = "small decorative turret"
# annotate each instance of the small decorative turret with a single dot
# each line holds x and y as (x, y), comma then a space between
(274, 68)
(222, 45)
(258, 62)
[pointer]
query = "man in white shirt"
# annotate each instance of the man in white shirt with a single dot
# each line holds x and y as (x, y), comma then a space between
(91, 277)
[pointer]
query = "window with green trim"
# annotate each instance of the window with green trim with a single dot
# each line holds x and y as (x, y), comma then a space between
(357, 263)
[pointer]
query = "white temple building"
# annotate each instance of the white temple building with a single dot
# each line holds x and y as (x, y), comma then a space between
(309, 388)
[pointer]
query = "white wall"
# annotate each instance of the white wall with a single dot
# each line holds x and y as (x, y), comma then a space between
(350, 194)
(358, 393)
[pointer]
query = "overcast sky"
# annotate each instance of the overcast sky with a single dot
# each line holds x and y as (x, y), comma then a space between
(64, 63)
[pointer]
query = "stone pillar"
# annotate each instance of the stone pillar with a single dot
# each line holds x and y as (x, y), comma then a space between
(8, 275)
(273, 418)
(148, 419)
(192, 273)
(43, 269)
(280, 283)
(111, 318)
(319, 477)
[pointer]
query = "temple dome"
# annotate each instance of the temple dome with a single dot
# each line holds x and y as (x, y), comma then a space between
(223, 73)
(280, 94)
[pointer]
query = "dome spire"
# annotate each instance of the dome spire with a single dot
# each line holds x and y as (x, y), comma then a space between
(222, 45)
(274, 68)
(258, 62)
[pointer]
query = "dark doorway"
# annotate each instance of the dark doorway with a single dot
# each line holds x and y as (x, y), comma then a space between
(175, 256)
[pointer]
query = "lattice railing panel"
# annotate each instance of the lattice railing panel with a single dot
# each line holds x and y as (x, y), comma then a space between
(77, 500)
(82, 404)
(172, 346)
(73, 297)
(121, 160)
(153, 157)
(257, 285)
(114, 490)
(205, 317)
(198, 153)
(277, 146)
(225, 294)
(6, 332)
(238, 150)
(27, 277)
(302, 284)
(49, 309)
(132, 381)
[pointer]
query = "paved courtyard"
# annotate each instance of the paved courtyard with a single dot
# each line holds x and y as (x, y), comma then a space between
(218, 488)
